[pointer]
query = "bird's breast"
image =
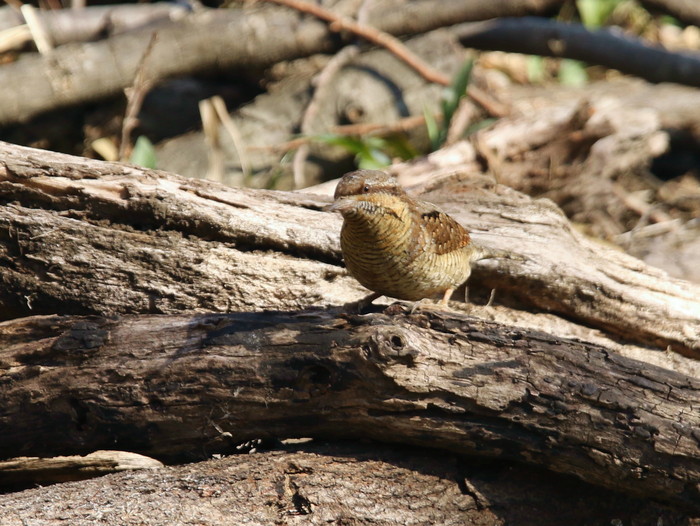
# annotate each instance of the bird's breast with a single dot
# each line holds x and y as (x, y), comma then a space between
(388, 252)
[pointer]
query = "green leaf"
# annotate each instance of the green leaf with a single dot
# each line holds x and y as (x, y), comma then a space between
(399, 146)
(144, 153)
(594, 13)
(456, 91)
(535, 69)
(352, 144)
(572, 73)
(431, 126)
(480, 125)
(372, 160)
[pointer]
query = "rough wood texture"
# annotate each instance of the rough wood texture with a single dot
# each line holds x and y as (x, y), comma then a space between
(178, 386)
(343, 484)
(33, 471)
(82, 237)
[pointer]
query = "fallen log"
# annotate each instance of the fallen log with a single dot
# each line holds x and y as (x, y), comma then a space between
(85, 237)
(320, 484)
(186, 386)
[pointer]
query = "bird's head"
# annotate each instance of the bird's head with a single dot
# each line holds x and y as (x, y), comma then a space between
(364, 188)
(365, 182)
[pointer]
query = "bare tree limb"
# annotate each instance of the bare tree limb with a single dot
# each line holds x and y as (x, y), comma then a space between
(219, 39)
(340, 23)
(606, 47)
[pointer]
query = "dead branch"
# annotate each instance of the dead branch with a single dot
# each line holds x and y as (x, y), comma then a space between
(186, 385)
(605, 47)
(211, 40)
(340, 23)
(94, 22)
(31, 471)
(94, 237)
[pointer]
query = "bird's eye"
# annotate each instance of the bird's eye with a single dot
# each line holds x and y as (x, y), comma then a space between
(365, 188)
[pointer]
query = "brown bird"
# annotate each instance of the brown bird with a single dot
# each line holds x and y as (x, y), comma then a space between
(398, 246)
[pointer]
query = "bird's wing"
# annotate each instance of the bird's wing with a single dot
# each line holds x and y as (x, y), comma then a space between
(446, 233)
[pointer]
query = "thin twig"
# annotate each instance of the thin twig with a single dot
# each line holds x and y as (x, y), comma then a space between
(340, 23)
(134, 100)
(210, 129)
(461, 119)
(492, 106)
(233, 132)
(14, 37)
(36, 27)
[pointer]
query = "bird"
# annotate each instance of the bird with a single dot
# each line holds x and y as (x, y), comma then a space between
(399, 246)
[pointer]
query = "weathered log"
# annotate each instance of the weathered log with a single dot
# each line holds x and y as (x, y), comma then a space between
(342, 483)
(186, 386)
(32, 471)
(86, 237)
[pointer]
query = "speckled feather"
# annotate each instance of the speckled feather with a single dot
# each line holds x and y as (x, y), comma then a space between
(399, 246)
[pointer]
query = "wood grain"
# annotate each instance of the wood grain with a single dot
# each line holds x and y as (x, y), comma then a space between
(186, 386)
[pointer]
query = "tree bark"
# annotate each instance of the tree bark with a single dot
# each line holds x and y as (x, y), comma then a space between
(185, 386)
(342, 483)
(86, 237)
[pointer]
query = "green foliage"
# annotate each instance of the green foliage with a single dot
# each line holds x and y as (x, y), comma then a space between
(572, 73)
(374, 152)
(144, 153)
(669, 20)
(451, 98)
(536, 69)
(371, 152)
(594, 13)
(480, 125)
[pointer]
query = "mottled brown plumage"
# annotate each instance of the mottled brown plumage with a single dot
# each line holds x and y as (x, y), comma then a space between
(396, 245)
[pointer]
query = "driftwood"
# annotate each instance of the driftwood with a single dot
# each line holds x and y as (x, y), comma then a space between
(321, 484)
(178, 386)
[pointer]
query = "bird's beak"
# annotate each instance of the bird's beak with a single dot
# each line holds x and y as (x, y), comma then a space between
(342, 205)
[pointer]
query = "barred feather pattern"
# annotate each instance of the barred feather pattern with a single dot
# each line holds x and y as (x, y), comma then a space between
(398, 246)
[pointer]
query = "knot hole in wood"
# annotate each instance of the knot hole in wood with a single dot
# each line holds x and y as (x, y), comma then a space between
(391, 344)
